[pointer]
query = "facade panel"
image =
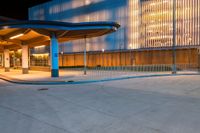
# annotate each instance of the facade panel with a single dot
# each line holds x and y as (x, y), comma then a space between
(144, 23)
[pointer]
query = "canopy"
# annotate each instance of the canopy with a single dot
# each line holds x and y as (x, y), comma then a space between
(13, 34)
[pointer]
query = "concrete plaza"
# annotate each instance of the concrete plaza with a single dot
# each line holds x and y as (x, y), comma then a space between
(143, 105)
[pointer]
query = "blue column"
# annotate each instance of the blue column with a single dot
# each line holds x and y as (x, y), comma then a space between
(54, 56)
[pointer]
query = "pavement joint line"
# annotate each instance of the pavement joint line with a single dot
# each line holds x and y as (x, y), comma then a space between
(29, 116)
(80, 105)
(102, 112)
(131, 99)
(26, 82)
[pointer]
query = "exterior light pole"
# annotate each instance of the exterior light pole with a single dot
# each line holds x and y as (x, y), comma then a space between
(85, 58)
(174, 69)
(102, 57)
(62, 57)
(62, 54)
(190, 39)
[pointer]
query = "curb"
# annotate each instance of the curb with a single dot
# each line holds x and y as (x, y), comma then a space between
(25, 82)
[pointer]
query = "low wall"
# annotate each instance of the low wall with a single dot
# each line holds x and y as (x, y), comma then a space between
(129, 58)
(40, 68)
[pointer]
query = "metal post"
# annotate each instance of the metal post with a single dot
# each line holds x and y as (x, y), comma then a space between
(174, 39)
(62, 58)
(120, 52)
(189, 54)
(62, 52)
(102, 57)
(85, 58)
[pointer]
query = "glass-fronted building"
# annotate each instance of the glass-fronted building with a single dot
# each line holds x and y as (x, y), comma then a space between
(157, 23)
(145, 24)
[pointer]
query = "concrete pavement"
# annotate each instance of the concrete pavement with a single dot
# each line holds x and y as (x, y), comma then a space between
(147, 105)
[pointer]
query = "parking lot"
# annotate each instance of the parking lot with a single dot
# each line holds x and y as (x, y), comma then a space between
(145, 105)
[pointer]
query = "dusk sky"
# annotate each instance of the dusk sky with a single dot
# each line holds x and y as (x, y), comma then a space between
(18, 9)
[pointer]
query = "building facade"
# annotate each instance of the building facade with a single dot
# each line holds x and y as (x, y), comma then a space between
(145, 25)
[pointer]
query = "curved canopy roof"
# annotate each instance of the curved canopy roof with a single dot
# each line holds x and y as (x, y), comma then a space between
(35, 32)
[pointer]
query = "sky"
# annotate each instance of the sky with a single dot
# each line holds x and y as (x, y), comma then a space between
(18, 9)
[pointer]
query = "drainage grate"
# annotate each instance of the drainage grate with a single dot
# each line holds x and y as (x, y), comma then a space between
(70, 81)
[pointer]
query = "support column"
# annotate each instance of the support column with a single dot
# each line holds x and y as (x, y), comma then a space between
(6, 60)
(54, 56)
(25, 59)
(85, 58)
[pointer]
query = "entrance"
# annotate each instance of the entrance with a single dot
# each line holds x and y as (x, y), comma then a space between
(16, 59)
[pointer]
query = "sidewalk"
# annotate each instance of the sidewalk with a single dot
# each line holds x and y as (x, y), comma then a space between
(36, 77)
(77, 76)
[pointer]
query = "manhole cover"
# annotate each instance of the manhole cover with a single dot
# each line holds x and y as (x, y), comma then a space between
(43, 89)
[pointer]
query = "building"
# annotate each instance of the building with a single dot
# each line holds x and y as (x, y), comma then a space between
(145, 36)
(20, 39)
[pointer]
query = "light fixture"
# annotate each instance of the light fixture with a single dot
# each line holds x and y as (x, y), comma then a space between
(87, 2)
(152, 4)
(130, 46)
(43, 54)
(103, 50)
(37, 47)
(19, 50)
(16, 36)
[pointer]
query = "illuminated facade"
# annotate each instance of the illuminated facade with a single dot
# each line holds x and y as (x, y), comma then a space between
(157, 23)
(87, 10)
(146, 30)
(144, 23)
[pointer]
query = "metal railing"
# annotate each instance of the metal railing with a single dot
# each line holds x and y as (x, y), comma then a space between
(94, 73)
(141, 68)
